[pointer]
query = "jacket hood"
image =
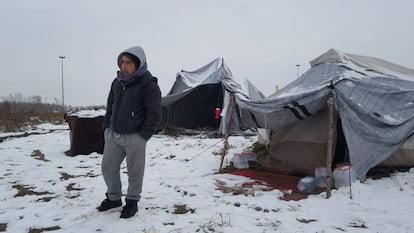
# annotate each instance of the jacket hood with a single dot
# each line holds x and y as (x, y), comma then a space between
(136, 51)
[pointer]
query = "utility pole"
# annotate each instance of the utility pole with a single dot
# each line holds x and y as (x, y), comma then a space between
(63, 92)
(297, 70)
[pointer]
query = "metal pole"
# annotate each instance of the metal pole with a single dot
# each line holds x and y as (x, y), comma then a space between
(63, 93)
(297, 70)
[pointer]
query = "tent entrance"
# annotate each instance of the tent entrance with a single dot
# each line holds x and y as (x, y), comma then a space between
(196, 109)
(300, 148)
(341, 154)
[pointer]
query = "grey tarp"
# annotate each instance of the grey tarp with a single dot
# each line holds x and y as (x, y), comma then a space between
(374, 100)
(195, 95)
(212, 73)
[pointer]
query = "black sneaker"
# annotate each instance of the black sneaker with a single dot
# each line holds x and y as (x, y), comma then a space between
(108, 204)
(130, 208)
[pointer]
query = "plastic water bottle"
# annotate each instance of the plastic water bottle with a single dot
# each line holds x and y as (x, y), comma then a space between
(306, 184)
(320, 176)
(343, 176)
(241, 160)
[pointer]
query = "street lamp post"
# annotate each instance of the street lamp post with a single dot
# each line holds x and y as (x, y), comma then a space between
(297, 70)
(63, 93)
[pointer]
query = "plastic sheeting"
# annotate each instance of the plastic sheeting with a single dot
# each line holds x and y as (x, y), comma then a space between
(374, 100)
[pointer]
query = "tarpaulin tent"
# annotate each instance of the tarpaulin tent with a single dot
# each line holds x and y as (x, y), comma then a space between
(374, 102)
(195, 96)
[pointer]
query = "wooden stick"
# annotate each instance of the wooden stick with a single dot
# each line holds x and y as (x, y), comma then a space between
(331, 139)
(229, 115)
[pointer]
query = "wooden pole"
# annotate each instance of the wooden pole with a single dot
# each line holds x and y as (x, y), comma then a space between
(331, 139)
(229, 115)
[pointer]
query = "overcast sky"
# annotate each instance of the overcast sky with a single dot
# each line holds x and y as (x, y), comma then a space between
(260, 40)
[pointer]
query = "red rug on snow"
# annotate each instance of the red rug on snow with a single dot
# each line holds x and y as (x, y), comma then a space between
(274, 180)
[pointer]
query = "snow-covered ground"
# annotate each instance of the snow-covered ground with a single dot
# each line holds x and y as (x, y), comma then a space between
(42, 189)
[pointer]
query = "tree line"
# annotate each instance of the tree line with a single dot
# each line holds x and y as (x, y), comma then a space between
(18, 112)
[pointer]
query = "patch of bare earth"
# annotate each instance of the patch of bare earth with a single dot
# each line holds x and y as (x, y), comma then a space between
(182, 209)
(302, 220)
(23, 190)
(246, 189)
(45, 199)
(40, 230)
(37, 154)
(66, 176)
(71, 187)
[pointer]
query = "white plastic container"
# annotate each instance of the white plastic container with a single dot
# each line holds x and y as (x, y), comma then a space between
(241, 160)
(343, 176)
(320, 176)
(306, 184)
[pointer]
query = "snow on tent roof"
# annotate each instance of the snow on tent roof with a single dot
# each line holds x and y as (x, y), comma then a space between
(369, 66)
(214, 72)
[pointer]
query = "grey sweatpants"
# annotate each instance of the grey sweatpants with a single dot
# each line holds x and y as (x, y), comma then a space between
(117, 148)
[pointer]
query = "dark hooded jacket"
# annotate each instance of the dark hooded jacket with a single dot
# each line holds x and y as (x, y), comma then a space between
(134, 102)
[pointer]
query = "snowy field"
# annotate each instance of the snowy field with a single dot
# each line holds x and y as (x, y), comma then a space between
(43, 190)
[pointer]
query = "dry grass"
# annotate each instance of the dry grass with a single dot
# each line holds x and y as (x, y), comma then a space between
(17, 114)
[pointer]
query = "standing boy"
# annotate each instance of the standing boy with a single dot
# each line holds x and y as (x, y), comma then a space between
(132, 115)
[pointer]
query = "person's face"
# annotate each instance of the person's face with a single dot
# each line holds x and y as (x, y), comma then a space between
(127, 66)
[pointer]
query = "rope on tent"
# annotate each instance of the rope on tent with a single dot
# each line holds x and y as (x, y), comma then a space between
(204, 150)
(331, 138)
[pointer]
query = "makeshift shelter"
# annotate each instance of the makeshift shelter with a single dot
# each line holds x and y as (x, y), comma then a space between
(374, 104)
(86, 132)
(200, 98)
